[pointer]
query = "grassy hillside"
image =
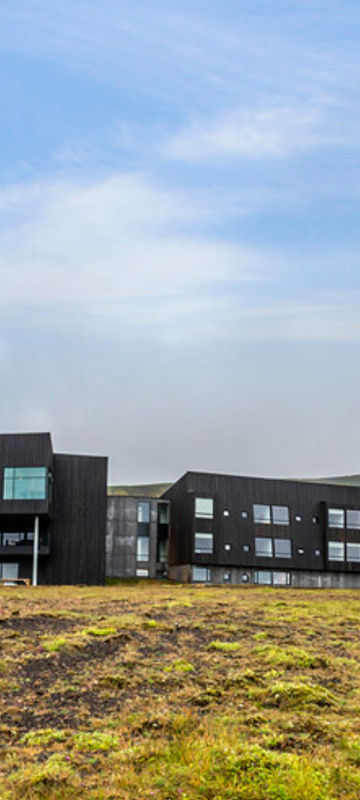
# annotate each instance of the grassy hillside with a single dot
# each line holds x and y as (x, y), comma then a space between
(140, 490)
(160, 692)
(347, 480)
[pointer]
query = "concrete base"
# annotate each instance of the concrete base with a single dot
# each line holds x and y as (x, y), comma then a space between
(304, 579)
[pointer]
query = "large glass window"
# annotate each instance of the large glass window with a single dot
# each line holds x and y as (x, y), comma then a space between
(25, 483)
(353, 519)
(261, 514)
(280, 515)
(282, 548)
(201, 574)
(204, 507)
(263, 546)
(336, 551)
(143, 548)
(281, 578)
(203, 542)
(353, 551)
(9, 571)
(143, 511)
(336, 518)
(263, 576)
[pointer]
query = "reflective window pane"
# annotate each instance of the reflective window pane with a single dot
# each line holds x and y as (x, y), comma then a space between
(143, 548)
(280, 515)
(263, 546)
(143, 511)
(336, 517)
(336, 551)
(204, 507)
(281, 578)
(203, 542)
(261, 514)
(353, 519)
(9, 571)
(353, 551)
(201, 574)
(282, 548)
(25, 483)
(263, 576)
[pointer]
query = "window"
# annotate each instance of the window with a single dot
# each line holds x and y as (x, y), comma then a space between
(263, 546)
(204, 507)
(201, 574)
(203, 542)
(227, 577)
(226, 513)
(143, 548)
(263, 576)
(25, 483)
(280, 515)
(281, 578)
(261, 514)
(227, 546)
(142, 573)
(246, 548)
(245, 577)
(353, 519)
(298, 518)
(12, 539)
(143, 511)
(9, 571)
(244, 515)
(336, 551)
(336, 518)
(282, 548)
(353, 551)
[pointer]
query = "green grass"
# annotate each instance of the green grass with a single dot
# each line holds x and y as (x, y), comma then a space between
(160, 692)
(143, 490)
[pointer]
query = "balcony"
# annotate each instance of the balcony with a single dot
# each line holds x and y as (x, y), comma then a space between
(22, 544)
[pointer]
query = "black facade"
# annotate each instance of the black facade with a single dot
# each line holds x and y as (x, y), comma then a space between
(52, 504)
(137, 537)
(226, 528)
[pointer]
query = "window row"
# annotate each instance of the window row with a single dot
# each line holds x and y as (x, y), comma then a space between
(336, 551)
(262, 514)
(265, 546)
(261, 576)
(270, 577)
(280, 515)
(341, 518)
(270, 548)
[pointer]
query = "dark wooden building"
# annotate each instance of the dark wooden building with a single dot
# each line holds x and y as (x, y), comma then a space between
(229, 529)
(137, 537)
(52, 512)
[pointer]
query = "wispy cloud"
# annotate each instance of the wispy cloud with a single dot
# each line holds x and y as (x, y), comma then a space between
(276, 132)
(122, 258)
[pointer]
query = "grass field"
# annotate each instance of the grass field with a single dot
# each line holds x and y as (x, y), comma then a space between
(168, 692)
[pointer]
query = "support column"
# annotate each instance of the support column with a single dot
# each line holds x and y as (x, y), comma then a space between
(35, 553)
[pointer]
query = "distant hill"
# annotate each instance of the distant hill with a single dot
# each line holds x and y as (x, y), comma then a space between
(344, 480)
(140, 490)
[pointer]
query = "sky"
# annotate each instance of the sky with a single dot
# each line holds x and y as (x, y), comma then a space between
(179, 233)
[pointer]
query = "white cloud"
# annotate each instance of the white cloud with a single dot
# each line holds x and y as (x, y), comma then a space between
(113, 240)
(275, 132)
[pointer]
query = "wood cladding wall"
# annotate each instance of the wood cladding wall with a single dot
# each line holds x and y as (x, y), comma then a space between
(235, 495)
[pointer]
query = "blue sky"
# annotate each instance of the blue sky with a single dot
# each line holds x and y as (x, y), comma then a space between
(179, 233)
